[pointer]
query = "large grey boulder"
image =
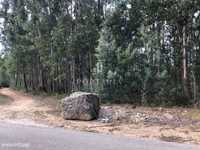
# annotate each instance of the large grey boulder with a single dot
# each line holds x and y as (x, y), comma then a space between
(81, 106)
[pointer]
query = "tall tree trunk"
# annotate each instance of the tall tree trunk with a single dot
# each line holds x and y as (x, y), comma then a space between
(25, 82)
(184, 65)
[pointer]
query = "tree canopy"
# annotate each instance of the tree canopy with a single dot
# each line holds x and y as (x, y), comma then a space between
(137, 51)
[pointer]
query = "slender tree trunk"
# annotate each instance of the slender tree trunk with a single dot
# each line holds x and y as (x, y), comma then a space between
(25, 82)
(144, 100)
(90, 72)
(195, 88)
(17, 78)
(184, 65)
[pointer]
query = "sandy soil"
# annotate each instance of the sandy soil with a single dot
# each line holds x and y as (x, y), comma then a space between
(22, 107)
(172, 125)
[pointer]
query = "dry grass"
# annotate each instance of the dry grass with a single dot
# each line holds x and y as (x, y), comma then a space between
(194, 114)
(172, 139)
(5, 100)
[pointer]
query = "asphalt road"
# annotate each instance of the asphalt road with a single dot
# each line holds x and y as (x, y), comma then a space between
(19, 137)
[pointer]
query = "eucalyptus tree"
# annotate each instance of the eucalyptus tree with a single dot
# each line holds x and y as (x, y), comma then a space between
(143, 51)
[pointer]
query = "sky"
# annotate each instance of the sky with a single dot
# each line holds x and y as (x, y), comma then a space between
(1, 21)
(1, 46)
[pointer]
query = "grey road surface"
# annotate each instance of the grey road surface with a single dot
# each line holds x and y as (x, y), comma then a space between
(19, 137)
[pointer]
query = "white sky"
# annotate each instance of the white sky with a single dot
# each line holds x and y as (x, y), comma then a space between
(1, 21)
(1, 46)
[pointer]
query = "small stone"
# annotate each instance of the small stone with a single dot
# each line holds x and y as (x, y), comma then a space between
(168, 116)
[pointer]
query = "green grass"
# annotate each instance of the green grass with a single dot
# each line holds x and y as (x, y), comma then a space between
(5, 100)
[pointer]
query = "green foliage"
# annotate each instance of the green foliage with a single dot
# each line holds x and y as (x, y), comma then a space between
(135, 51)
(140, 53)
(4, 76)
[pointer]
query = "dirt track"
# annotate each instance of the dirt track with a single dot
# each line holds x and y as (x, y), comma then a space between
(24, 107)
(160, 123)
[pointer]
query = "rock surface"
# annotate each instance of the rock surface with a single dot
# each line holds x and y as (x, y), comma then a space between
(81, 106)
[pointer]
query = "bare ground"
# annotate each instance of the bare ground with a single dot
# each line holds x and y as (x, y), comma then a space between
(168, 124)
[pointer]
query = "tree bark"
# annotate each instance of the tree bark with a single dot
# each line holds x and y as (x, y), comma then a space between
(184, 65)
(25, 82)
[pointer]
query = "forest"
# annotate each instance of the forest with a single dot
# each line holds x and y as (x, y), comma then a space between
(145, 52)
